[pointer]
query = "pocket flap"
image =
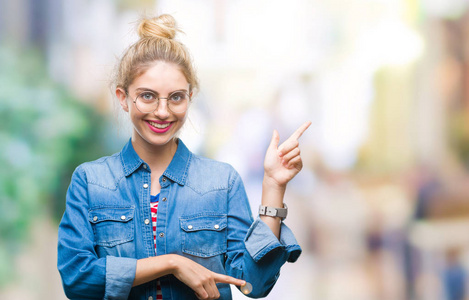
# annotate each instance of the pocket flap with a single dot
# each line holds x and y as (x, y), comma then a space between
(203, 222)
(111, 214)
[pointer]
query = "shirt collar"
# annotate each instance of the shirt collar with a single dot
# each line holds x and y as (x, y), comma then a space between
(176, 171)
(130, 159)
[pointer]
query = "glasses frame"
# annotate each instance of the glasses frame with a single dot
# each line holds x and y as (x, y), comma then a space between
(167, 104)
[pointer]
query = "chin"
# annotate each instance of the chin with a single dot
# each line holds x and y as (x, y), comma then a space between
(161, 142)
(153, 140)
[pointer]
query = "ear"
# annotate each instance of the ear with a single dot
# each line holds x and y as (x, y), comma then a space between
(122, 96)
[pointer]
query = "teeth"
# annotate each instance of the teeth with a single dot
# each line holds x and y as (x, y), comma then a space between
(159, 126)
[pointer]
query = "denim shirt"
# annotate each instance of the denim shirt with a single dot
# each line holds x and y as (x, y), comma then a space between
(203, 214)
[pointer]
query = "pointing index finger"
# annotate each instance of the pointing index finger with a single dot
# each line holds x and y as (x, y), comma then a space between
(228, 279)
(296, 135)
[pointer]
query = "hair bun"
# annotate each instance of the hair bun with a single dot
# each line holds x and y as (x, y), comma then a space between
(163, 26)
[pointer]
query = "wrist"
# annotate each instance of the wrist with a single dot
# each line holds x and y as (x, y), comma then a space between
(173, 263)
(272, 193)
(274, 212)
(272, 184)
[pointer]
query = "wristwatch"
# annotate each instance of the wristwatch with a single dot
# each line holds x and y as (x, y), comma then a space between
(274, 211)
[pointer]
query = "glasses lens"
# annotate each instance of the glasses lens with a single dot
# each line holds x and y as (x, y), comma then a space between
(146, 102)
(178, 101)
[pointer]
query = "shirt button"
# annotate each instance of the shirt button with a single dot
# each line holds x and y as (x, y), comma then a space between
(164, 179)
(145, 186)
(150, 298)
(161, 234)
(122, 217)
(217, 226)
(164, 199)
(144, 166)
(95, 218)
(147, 221)
(190, 226)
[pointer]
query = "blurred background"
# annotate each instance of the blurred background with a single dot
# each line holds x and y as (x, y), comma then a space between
(381, 208)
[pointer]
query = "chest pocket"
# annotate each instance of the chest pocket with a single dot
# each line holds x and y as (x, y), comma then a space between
(112, 226)
(203, 235)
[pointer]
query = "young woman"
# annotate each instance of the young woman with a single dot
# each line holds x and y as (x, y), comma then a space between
(156, 221)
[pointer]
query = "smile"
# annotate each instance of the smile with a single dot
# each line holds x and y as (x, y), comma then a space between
(158, 125)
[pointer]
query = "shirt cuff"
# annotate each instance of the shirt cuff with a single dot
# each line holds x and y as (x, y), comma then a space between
(120, 275)
(260, 241)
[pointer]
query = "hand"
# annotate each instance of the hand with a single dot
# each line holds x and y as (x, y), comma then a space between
(283, 162)
(200, 279)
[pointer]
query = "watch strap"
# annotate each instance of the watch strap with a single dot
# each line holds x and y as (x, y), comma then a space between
(274, 211)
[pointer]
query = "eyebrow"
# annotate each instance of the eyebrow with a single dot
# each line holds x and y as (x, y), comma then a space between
(144, 89)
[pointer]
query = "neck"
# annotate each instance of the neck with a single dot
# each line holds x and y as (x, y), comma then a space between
(158, 157)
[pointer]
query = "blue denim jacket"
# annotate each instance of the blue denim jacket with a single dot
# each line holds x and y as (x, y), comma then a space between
(203, 214)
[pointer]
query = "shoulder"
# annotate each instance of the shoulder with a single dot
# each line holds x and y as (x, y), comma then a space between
(210, 173)
(105, 171)
(211, 165)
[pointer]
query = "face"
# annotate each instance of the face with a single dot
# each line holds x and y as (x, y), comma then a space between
(160, 127)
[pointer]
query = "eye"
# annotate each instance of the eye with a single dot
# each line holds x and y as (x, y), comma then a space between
(147, 96)
(178, 97)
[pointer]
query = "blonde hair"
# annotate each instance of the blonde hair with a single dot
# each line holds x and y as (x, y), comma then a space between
(156, 43)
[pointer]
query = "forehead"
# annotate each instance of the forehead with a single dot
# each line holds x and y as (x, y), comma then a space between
(161, 77)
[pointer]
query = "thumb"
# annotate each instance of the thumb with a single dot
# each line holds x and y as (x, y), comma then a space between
(275, 139)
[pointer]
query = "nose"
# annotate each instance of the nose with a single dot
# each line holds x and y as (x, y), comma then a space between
(162, 111)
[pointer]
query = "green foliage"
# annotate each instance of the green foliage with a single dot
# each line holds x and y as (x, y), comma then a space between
(44, 134)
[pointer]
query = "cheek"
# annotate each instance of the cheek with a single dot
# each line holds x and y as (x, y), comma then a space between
(184, 116)
(182, 119)
(134, 114)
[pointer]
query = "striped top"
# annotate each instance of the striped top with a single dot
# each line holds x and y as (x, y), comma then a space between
(154, 210)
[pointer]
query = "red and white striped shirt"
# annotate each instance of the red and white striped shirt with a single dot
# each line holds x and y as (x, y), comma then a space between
(154, 200)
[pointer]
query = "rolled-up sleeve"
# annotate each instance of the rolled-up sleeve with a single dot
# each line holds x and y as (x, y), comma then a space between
(84, 274)
(254, 252)
(120, 274)
(260, 241)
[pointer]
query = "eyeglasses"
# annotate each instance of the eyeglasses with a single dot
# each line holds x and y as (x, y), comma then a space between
(177, 101)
